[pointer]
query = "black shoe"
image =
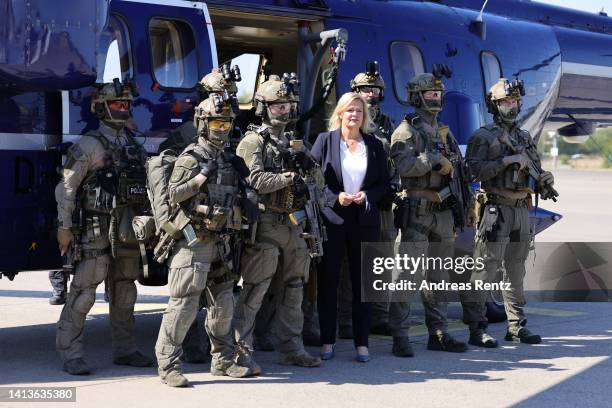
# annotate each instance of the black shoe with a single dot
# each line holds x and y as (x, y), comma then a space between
(481, 338)
(345, 331)
(402, 347)
(523, 336)
(136, 359)
(263, 343)
(76, 366)
(445, 342)
(381, 329)
(194, 355)
(58, 299)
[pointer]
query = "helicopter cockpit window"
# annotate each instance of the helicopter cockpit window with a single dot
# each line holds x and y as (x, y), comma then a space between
(491, 69)
(117, 59)
(407, 61)
(174, 53)
(249, 68)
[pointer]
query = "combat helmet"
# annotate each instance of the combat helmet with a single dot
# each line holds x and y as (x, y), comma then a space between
(504, 89)
(370, 78)
(213, 120)
(277, 90)
(113, 91)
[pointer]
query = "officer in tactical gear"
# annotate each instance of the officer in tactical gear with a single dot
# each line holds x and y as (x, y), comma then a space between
(102, 189)
(504, 159)
(371, 86)
(204, 191)
(221, 82)
(427, 157)
(266, 151)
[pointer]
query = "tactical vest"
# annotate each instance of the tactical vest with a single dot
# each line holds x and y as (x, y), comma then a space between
(121, 182)
(384, 127)
(218, 195)
(285, 200)
(424, 142)
(510, 178)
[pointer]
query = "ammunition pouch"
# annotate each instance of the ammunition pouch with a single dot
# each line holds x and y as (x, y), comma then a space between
(283, 201)
(97, 225)
(132, 187)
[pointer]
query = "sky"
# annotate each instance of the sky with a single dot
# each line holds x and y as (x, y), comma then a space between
(593, 6)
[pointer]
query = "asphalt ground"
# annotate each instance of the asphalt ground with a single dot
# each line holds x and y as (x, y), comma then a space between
(570, 368)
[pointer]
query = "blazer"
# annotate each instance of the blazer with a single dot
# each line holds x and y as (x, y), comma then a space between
(326, 151)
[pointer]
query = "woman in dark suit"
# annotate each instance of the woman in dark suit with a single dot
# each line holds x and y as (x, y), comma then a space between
(356, 172)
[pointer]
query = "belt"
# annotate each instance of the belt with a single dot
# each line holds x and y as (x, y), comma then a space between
(278, 218)
(424, 205)
(496, 199)
(95, 253)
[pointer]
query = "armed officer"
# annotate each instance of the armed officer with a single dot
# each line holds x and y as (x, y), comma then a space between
(102, 189)
(279, 247)
(221, 82)
(504, 159)
(204, 190)
(428, 160)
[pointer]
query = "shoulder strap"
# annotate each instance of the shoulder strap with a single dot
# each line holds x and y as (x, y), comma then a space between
(99, 137)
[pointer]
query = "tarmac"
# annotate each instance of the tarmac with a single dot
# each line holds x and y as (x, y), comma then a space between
(570, 368)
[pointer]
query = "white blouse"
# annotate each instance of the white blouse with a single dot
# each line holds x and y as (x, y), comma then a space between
(354, 166)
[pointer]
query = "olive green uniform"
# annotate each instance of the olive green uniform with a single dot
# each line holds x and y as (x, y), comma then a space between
(504, 186)
(97, 150)
(201, 267)
(416, 145)
(279, 247)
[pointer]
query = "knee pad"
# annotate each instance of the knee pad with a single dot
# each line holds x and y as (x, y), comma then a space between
(84, 300)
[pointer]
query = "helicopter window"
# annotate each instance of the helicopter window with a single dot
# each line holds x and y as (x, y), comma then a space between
(173, 52)
(491, 69)
(249, 68)
(118, 57)
(407, 61)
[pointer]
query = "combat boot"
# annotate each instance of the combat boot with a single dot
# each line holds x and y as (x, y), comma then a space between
(230, 369)
(194, 355)
(76, 366)
(58, 299)
(402, 347)
(244, 358)
(345, 331)
(445, 342)
(479, 337)
(523, 335)
(301, 359)
(136, 359)
(174, 378)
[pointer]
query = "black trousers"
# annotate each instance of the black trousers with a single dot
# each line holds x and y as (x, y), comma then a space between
(344, 238)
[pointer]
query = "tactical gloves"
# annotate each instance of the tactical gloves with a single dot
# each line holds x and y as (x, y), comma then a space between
(303, 160)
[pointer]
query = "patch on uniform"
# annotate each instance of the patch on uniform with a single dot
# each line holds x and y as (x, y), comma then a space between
(443, 133)
(73, 155)
(183, 166)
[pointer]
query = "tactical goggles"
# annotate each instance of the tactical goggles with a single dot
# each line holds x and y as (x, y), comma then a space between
(280, 107)
(119, 104)
(219, 124)
(370, 90)
(432, 95)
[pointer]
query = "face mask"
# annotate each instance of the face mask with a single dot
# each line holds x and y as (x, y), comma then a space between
(431, 105)
(507, 114)
(218, 137)
(279, 120)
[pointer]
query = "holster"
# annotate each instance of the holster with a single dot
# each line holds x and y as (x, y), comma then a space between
(487, 228)
(401, 213)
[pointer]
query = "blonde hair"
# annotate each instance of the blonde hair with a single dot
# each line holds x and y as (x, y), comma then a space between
(335, 121)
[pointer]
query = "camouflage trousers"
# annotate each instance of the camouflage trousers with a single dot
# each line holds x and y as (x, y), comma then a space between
(279, 250)
(193, 270)
(435, 227)
(89, 273)
(510, 246)
(394, 314)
